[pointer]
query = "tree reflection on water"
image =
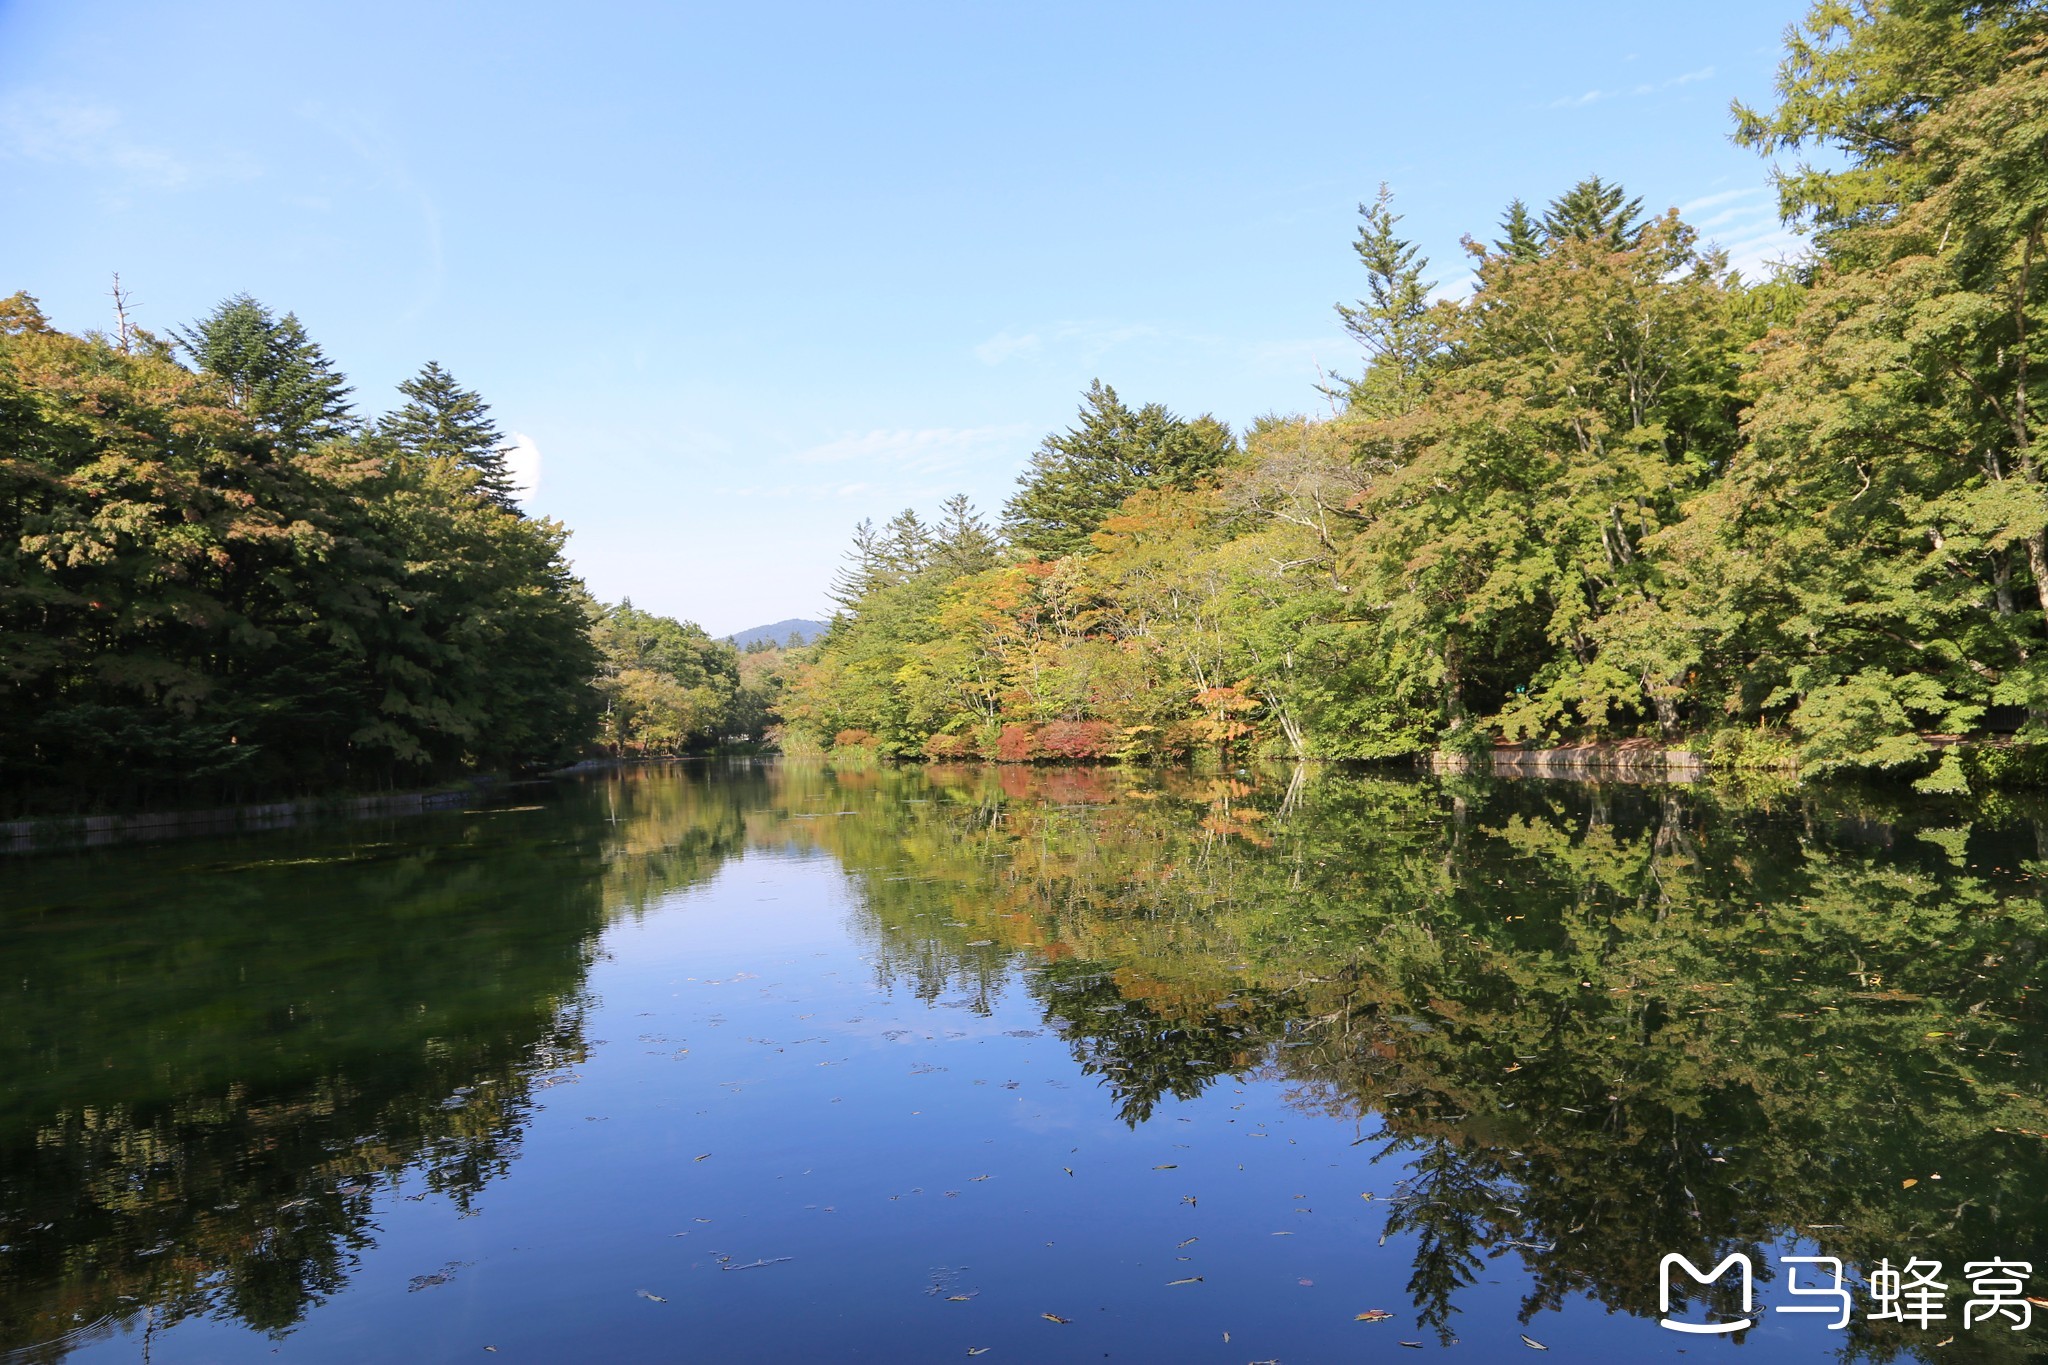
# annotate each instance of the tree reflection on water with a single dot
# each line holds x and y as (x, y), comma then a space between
(1591, 1024)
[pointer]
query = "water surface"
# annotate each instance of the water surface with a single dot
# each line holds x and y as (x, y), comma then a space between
(772, 1063)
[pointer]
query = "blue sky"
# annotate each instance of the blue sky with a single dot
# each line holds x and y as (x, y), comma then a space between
(741, 275)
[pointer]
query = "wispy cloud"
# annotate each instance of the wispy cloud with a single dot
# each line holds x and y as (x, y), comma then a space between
(1744, 223)
(927, 450)
(1595, 96)
(58, 130)
(1087, 339)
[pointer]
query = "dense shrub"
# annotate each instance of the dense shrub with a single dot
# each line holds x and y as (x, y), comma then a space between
(950, 748)
(1078, 739)
(1016, 744)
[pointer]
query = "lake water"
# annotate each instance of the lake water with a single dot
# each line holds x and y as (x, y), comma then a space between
(763, 1062)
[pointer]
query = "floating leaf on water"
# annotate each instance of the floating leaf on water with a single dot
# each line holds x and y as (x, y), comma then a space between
(1306, 1284)
(652, 1298)
(1908, 1183)
(1188, 1243)
(1192, 1279)
(701, 1158)
(1532, 1343)
(1373, 1315)
(1413, 1345)
(1068, 1169)
(979, 1350)
(960, 1298)
(1055, 1317)
(1169, 1166)
(767, 1260)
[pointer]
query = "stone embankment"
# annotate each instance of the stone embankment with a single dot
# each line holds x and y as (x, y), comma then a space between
(1625, 760)
(22, 836)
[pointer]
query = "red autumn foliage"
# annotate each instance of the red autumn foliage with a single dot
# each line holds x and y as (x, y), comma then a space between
(1078, 739)
(1016, 744)
(853, 739)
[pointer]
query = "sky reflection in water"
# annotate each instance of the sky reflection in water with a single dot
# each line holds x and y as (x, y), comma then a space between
(764, 1062)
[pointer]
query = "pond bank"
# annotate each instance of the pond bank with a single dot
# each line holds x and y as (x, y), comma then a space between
(1630, 760)
(91, 831)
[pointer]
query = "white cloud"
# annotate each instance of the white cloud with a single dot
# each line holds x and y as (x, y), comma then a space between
(1649, 88)
(1089, 339)
(1003, 345)
(523, 460)
(37, 126)
(928, 450)
(1745, 224)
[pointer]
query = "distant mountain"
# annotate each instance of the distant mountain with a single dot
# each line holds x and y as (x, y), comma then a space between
(778, 633)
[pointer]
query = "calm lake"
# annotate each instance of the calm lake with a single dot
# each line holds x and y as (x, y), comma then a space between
(760, 1062)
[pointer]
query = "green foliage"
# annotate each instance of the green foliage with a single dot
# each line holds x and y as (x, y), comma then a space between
(1078, 477)
(441, 419)
(667, 687)
(272, 372)
(1614, 491)
(211, 586)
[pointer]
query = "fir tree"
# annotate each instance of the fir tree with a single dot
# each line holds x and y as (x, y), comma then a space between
(1392, 322)
(962, 542)
(1522, 239)
(443, 420)
(1077, 477)
(1594, 211)
(273, 372)
(861, 573)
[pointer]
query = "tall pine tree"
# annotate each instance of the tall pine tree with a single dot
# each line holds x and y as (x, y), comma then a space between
(443, 420)
(1079, 476)
(1595, 211)
(1393, 322)
(273, 372)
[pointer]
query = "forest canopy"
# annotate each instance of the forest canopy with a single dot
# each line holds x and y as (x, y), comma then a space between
(1603, 486)
(221, 581)
(1612, 488)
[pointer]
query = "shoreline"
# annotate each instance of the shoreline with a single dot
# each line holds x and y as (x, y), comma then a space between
(55, 833)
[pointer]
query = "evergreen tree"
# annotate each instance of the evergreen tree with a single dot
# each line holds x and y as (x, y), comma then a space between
(1595, 211)
(1393, 321)
(1077, 477)
(443, 420)
(273, 372)
(1522, 238)
(860, 574)
(962, 542)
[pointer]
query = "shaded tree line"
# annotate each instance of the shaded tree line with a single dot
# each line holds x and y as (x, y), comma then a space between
(220, 580)
(1612, 489)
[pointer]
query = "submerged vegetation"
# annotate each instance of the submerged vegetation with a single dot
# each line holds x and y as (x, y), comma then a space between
(1612, 490)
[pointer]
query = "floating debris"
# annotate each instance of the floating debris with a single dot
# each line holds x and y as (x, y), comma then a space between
(1055, 1317)
(766, 1260)
(1192, 1279)
(1373, 1315)
(441, 1276)
(651, 1298)
(1532, 1343)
